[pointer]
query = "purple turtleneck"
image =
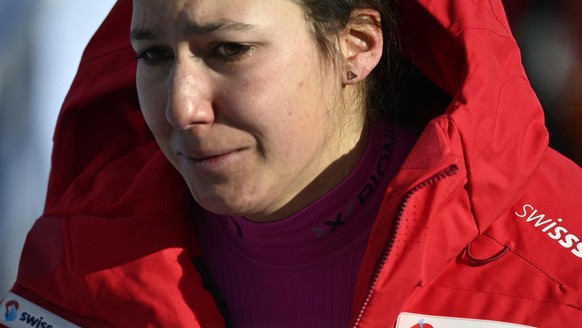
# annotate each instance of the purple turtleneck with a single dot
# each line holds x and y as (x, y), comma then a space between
(301, 271)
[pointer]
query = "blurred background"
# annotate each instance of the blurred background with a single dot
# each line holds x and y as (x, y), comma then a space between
(41, 42)
(549, 33)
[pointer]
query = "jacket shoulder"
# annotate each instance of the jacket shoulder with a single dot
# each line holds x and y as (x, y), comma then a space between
(528, 260)
(541, 237)
(43, 288)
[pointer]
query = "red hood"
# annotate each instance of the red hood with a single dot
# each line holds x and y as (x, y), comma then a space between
(492, 134)
(102, 137)
(464, 47)
(106, 164)
(495, 124)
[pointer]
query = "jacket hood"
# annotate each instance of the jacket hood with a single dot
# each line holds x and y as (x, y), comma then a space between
(494, 122)
(103, 151)
(487, 144)
(106, 164)
(465, 48)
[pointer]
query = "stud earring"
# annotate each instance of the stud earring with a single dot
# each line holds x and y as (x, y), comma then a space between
(351, 75)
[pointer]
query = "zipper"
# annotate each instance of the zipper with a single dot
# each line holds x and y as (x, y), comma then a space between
(446, 173)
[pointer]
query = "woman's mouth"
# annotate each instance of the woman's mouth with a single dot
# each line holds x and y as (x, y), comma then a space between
(208, 162)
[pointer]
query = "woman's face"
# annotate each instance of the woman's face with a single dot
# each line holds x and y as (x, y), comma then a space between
(240, 101)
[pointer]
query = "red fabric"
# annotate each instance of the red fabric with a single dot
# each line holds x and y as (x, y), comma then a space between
(493, 132)
(119, 204)
(118, 245)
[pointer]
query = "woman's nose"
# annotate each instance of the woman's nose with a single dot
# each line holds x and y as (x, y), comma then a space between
(189, 100)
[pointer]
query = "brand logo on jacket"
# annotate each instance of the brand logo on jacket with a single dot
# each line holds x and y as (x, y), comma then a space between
(375, 179)
(414, 320)
(21, 313)
(422, 324)
(11, 310)
(11, 315)
(552, 227)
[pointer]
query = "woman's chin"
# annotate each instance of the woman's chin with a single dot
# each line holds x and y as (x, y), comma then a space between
(224, 205)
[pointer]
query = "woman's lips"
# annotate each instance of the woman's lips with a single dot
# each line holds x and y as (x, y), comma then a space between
(209, 162)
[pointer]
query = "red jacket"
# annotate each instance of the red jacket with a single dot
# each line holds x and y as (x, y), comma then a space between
(488, 222)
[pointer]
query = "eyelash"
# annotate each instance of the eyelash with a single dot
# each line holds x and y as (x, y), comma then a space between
(159, 55)
(154, 56)
(242, 51)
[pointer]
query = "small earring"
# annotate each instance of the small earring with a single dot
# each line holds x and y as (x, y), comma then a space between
(351, 75)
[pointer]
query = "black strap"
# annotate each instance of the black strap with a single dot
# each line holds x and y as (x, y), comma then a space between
(209, 285)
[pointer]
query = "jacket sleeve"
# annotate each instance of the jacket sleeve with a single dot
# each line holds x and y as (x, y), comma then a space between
(22, 308)
(37, 298)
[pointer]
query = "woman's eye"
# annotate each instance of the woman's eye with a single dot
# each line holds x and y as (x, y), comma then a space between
(154, 56)
(232, 51)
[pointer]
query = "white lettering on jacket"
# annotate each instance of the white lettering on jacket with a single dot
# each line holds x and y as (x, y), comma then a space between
(18, 312)
(552, 227)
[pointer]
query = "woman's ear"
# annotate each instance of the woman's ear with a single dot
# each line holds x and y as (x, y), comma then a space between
(361, 43)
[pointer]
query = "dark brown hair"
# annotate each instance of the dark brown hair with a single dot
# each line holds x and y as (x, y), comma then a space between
(328, 17)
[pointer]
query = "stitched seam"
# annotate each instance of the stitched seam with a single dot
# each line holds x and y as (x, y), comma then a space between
(468, 191)
(523, 257)
(483, 29)
(506, 295)
(491, 12)
(498, 100)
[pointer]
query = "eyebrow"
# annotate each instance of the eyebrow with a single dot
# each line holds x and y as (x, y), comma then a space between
(140, 33)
